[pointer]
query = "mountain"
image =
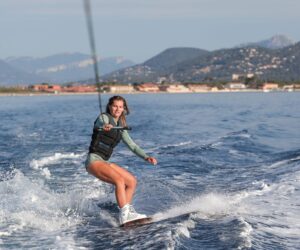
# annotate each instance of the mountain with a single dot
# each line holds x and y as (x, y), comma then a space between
(173, 56)
(220, 65)
(277, 58)
(66, 67)
(275, 42)
(12, 76)
(156, 66)
(266, 64)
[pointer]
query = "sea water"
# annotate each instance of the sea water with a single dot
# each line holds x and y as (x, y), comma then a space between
(228, 173)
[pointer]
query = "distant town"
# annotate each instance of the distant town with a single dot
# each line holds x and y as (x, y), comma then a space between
(153, 87)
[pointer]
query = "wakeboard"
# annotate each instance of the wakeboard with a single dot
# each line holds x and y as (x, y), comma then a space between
(149, 220)
(138, 222)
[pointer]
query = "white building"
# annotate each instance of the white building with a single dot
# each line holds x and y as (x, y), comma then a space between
(198, 88)
(235, 86)
(176, 88)
(119, 89)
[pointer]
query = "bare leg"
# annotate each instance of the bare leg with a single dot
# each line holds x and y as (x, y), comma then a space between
(124, 182)
(130, 181)
(104, 172)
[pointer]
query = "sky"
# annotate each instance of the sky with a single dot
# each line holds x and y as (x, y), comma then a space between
(141, 29)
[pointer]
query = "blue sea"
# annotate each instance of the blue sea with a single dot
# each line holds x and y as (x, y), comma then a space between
(228, 175)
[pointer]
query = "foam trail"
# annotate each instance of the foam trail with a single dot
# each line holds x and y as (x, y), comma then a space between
(54, 159)
(32, 204)
(36, 164)
(210, 204)
(177, 144)
(283, 162)
(172, 145)
(246, 234)
(26, 203)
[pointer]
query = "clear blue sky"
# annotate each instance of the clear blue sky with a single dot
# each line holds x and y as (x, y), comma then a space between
(140, 29)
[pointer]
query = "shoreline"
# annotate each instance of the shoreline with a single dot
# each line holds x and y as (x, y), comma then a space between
(139, 92)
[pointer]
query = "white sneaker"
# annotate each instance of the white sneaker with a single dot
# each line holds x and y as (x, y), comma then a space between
(134, 213)
(128, 213)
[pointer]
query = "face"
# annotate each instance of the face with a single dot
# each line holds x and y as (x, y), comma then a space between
(116, 109)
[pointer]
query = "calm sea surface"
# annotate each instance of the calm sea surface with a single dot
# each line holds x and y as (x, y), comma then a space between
(228, 175)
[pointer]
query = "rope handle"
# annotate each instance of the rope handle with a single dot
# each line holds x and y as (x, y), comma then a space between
(117, 128)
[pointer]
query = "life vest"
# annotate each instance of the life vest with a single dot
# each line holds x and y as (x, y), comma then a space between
(103, 142)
